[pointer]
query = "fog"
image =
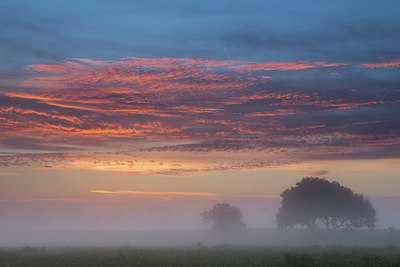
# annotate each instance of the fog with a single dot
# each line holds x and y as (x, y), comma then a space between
(46, 223)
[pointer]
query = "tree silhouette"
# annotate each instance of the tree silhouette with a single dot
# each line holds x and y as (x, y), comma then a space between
(315, 200)
(224, 217)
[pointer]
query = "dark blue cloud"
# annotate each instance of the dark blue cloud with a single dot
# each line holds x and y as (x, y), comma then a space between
(48, 31)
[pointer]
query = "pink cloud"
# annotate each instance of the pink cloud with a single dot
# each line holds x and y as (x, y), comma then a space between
(394, 63)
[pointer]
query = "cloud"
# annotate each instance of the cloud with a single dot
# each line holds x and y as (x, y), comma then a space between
(394, 63)
(242, 85)
(156, 115)
(363, 153)
(317, 174)
(176, 164)
(212, 30)
(23, 143)
(349, 40)
(186, 194)
(284, 66)
(130, 192)
(138, 97)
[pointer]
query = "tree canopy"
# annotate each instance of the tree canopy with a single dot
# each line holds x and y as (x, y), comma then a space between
(315, 200)
(224, 217)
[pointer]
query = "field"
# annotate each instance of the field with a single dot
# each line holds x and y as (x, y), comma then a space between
(198, 255)
(254, 247)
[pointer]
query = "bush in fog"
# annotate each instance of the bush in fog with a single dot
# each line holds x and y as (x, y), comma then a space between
(315, 200)
(392, 234)
(224, 217)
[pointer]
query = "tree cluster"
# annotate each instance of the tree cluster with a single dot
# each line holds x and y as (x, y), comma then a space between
(315, 200)
(224, 217)
(311, 202)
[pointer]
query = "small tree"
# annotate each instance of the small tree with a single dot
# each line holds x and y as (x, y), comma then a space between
(315, 200)
(224, 217)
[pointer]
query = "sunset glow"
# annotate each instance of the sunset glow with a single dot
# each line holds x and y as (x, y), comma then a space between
(191, 101)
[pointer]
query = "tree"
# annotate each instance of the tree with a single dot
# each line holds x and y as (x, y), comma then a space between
(224, 217)
(315, 200)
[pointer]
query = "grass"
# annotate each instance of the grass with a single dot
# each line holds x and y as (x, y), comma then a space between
(199, 255)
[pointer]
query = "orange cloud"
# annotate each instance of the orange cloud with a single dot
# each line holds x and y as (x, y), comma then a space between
(56, 68)
(157, 74)
(394, 63)
(284, 66)
(129, 192)
(277, 112)
(197, 194)
(172, 105)
(144, 73)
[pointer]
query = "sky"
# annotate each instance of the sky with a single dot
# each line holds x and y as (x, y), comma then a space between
(136, 107)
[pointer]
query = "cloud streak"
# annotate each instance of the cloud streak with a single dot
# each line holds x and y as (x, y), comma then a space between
(129, 192)
(284, 66)
(186, 194)
(394, 63)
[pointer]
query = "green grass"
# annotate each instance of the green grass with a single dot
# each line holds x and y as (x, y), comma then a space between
(202, 256)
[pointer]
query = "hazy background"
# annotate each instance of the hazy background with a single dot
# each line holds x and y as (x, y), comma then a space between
(150, 223)
(137, 115)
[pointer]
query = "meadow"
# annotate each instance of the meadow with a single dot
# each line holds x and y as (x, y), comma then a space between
(198, 255)
(254, 247)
